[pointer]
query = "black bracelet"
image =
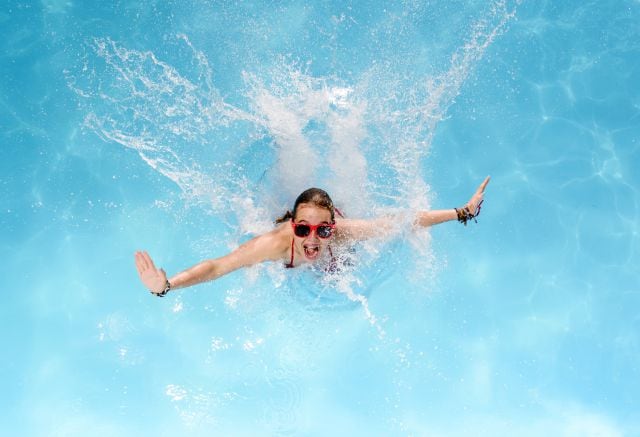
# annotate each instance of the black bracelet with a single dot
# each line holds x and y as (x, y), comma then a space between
(167, 288)
(463, 215)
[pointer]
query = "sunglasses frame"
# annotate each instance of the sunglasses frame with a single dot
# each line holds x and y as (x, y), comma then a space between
(313, 228)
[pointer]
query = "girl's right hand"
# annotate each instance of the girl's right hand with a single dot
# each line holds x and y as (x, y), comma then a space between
(152, 278)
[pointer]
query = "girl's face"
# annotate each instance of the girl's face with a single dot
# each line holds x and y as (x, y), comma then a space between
(311, 247)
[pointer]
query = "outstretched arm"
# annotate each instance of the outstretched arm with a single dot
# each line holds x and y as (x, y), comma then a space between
(429, 218)
(263, 248)
(364, 229)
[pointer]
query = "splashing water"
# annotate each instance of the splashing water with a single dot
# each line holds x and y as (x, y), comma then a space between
(363, 138)
(296, 131)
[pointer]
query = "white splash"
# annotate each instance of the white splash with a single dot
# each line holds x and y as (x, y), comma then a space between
(218, 343)
(250, 345)
(364, 140)
(177, 307)
(175, 392)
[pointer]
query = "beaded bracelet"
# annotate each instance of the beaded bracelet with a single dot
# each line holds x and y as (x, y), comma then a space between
(464, 214)
(167, 287)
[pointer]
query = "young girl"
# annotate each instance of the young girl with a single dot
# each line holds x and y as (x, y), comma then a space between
(304, 235)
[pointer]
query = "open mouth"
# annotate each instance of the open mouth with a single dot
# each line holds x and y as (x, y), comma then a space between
(311, 251)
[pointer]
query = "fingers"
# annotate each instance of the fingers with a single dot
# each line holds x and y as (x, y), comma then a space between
(144, 261)
(148, 260)
(483, 185)
(478, 196)
(140, 263)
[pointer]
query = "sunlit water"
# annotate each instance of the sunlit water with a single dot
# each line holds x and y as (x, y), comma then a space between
(186, 128)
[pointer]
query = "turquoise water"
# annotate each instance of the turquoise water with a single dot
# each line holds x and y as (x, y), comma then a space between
(183, 128)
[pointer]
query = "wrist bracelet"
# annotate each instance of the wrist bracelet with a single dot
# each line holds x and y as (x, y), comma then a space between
(167, 288)
(464, 214)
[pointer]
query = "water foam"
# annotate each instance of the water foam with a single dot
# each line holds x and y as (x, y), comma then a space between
(365, 141)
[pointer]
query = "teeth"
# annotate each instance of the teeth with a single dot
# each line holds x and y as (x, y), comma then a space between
(311, 251)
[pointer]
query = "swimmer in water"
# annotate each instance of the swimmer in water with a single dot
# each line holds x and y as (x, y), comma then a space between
(302, 236)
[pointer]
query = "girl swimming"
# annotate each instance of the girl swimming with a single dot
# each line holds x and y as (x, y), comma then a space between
(303, 235)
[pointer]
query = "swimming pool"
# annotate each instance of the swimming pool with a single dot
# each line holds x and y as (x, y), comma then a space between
(184, 127)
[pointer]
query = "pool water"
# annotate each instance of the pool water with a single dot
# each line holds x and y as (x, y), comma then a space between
(185, 127)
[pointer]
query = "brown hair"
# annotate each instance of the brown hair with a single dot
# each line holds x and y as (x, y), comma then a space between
(314, 196)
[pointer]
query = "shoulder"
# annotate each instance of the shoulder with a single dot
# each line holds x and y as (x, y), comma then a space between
(283, 232)
(273, 245)
(277, 241)
(362, 229)
(347, 226)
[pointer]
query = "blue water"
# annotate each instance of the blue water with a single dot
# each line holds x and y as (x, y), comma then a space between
(183, 128)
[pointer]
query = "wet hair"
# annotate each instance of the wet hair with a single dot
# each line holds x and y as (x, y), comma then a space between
(313, 196)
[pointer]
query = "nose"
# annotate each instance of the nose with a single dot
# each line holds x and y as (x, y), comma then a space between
(313, 235)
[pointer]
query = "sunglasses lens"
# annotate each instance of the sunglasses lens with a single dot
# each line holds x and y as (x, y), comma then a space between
(324, 231)
(301, 230)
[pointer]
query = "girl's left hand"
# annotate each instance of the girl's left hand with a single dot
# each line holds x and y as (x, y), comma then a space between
(474, 203)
